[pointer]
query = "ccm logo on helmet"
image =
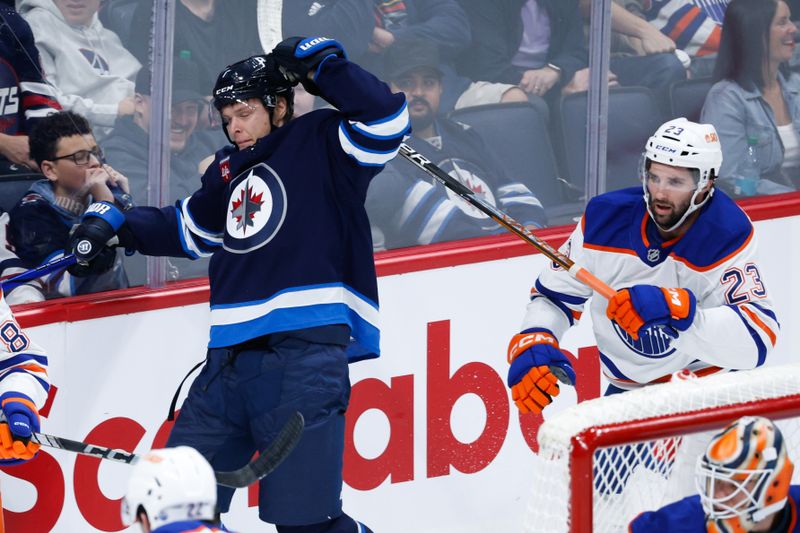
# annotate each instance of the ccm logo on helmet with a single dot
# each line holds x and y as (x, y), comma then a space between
(665, 148)
(305, 47)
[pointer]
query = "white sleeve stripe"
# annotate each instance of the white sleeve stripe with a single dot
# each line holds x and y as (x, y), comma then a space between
(413, 199)
(363, 156)
(393, 127)
(437, 220)
(38, 88)
(527, 200)
(40, 112)
(514, 187)
(187, 240)
(194, 228)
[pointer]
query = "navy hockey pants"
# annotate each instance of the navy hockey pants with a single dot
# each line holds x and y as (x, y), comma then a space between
(241, 399)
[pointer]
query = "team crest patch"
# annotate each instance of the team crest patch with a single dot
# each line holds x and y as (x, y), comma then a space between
(469, 175)
(225, 169)
(653, 255)
(654, 342)
(256, 209)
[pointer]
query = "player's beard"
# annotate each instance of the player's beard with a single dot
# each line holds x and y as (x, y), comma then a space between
(670, 219)
(420, 121)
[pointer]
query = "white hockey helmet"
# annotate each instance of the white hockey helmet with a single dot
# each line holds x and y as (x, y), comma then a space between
(171, 484)
(682, 143)
(744, 475)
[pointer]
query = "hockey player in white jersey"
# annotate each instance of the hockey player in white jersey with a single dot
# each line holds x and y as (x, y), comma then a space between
(684, 263)
(172, 490)
(23, 390)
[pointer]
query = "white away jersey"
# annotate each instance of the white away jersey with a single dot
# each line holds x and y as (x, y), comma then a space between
(734, 326)
(23, 364)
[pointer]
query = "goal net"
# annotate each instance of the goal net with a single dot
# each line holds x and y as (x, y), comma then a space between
(604, 461)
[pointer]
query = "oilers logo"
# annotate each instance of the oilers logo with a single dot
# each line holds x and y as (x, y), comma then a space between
(654, 342)
(469, 175)
(256, 209)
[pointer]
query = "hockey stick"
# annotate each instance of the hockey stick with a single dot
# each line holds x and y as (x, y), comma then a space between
(266, 462)
(53, 266)
(576, 271)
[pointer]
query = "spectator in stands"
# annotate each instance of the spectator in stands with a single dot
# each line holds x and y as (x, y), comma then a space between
(755, 99)
(695, 27)
(11, 265)
(350, 22)
(26, 96)
(404, 207)
(535, 44)
(744, 481)
(65, 149)
(128, 146)
(215, 33)
(86, 63)
(444, 23)
(649, 58)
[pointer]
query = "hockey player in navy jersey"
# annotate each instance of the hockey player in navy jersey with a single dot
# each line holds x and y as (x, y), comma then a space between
(293, 287)
(743, 480)
(172, 490)
(690, 290)
(403, 204)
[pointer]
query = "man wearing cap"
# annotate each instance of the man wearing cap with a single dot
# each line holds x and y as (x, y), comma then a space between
(126, 149)
(405, 207)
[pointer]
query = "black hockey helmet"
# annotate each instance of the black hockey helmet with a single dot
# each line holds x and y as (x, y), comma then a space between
(255, 77)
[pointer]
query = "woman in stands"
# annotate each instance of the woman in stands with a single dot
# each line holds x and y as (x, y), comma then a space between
(756, 99)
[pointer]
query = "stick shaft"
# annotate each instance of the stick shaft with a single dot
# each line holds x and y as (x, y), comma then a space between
(38, 272)
(506, 221)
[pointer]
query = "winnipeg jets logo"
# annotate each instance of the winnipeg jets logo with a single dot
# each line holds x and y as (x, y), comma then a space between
(654, 342)
(470, 176)
(245, 208)
(256, 209)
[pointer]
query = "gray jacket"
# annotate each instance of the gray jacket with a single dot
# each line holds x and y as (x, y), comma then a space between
(738, 114)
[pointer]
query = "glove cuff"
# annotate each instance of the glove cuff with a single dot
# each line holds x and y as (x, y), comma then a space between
(522, 341)
(107, 212)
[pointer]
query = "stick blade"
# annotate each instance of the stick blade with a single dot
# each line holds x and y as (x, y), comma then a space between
(269, 459)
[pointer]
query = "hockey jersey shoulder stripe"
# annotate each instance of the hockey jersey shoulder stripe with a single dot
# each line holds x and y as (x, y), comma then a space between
(23, 358)
(718, 262)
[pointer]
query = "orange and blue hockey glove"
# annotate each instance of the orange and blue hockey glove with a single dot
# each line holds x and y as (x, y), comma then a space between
(642, 306)
(537, 365)
(21, 420)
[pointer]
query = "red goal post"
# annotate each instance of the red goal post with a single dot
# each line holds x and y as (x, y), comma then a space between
(604, 461)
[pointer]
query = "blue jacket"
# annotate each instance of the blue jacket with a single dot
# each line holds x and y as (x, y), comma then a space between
(737, 114)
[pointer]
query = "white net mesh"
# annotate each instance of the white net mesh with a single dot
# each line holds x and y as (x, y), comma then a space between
(629, 477)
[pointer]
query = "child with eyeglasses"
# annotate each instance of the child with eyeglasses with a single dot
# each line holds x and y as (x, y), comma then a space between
(64, 147)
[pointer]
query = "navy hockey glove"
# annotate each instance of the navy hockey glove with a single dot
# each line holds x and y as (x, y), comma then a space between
(642, 306)
(21, 419)
(537, 364)
(91, 239)
(296, 57)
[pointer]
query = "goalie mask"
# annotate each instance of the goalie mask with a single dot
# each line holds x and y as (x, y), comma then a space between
(171, 485)
(681, 143)
(744, 475)
(254, 77)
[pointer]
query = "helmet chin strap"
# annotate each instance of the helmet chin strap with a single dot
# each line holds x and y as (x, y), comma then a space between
(689, 210)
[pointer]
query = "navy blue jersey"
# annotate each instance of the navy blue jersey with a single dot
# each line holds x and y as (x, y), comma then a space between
(189, 526)
(285, 219)
(24, 95)
(687, 516)
(410, 207)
